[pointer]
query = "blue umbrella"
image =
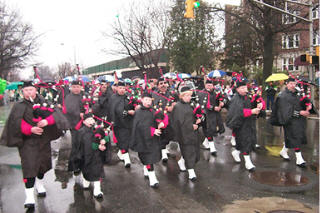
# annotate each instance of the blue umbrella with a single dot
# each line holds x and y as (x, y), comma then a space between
(170, 75)
(84, 78)
(184, 75)
(216, 74)
(108, 78)
(14, 85)
(69, 78)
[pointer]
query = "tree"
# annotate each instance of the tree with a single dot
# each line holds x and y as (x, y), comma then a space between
(243, 46)
(267, 23)
(46, 73)
(65, 70)
(192, 42)
(17, 41)
(141, 35)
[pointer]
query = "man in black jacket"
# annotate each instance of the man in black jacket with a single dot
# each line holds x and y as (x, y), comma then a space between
(241, 120)
(293, 119)
(122, 122)
(31, 134)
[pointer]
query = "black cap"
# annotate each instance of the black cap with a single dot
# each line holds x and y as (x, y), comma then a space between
(209, 81)
(146, 94)
(87, 115)
(161, 79)
(28, 84)
(76, 82)
(291, 79)
(121, 83)
(184, 89)
(241, 82)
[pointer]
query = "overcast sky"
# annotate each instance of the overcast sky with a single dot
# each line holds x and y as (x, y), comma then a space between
(71, 30)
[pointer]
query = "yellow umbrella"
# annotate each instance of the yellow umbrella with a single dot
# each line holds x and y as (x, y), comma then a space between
(277, 77)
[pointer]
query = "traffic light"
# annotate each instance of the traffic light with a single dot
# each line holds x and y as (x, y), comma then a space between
(190, 5)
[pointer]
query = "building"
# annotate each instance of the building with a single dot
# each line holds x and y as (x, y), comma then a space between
(128, 68)
(296, 41)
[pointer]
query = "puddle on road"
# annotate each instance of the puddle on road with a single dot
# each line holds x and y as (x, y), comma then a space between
(279, 178)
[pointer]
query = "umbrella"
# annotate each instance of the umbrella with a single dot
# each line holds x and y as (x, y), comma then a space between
(69, 78)
(216, 74)
(277, 77)
(127, 81)
(14, 85)
(108, 78)
(184, 75)
(3, 85)
(170, 75)
(84, 78)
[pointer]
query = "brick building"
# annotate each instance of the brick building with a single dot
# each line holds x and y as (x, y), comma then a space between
(290, 45)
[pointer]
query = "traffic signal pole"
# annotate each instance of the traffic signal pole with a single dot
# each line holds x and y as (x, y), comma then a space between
(310, 6)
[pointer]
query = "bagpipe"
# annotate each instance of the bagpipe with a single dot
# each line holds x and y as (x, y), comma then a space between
(41, 110)
(198, 107)
(87, 102)
(255, 99)
(132, 99)
(221, 98)
(305, 97)
(101, 131)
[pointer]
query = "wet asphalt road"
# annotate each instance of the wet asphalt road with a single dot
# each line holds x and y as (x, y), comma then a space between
(222, 185)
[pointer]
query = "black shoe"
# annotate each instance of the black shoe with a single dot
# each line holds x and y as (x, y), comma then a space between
(42, 194)
(164, 160)
(76, 172)
(29, 205)
(171, 155)
(155, 186)
(194, 179)
(303, 165)
(128, 165)
(252, 169)
(98, 197)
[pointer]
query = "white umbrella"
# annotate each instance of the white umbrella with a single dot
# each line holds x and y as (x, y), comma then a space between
(216, 74)
(170, 75)
(184, 75)
(108, 78)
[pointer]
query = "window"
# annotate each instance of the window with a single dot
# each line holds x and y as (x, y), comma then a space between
(288, 64)
(290, 41)
(287, 19)
(315, 38)
(315, 12)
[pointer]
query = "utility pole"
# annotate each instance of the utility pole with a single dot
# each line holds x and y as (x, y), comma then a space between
(310, 6)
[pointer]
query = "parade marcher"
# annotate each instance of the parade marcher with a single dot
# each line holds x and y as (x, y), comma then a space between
(241, 120)
(92, 145)
(74, 113)
(185, 127)
(213, 124)
(100, 108)
(30, 127)
(290, 114)
(164, 101)
(122, 121)
(145, 139)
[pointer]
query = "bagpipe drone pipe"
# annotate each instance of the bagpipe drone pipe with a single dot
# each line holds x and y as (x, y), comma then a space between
(41, 110)
(101, 130)
(198, 104)
(132, 100)
(303, 91)
(255, 99)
